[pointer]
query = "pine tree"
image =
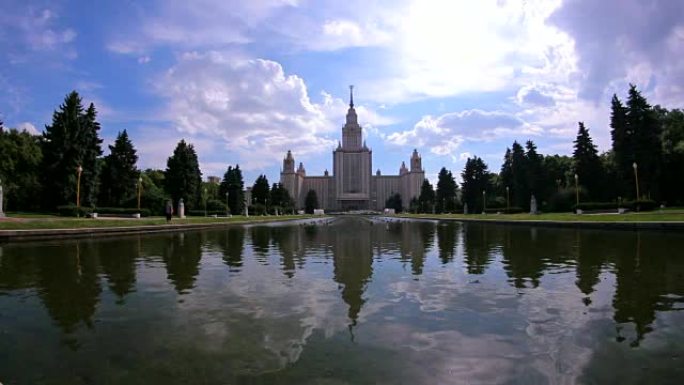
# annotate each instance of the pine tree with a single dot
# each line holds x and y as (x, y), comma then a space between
(535, 172)
(445, 197)
(520, 192)
(622, 145)
(183, 177)
(261, 191)
(506, 172)
(233, 185)
(476, 179)
(91, 151)
(672, 184)
(119, 175)
(310, 202)
(588, 164)
(394, 202)
(426, 200)
(69, 142)
(647, 150)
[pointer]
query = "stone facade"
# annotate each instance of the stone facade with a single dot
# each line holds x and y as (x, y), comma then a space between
(352, 186)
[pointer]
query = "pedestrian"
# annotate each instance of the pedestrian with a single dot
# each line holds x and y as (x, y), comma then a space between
(169, 210)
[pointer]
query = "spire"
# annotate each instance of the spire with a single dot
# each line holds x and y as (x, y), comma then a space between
(351, 96)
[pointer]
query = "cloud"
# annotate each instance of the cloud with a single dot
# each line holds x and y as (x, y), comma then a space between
(625, 41)
(445, 133)
(534, 97)
(250, 107)
(29, 31)
(28, 127)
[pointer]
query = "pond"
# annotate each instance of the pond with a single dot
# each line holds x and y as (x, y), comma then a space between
(350, 300)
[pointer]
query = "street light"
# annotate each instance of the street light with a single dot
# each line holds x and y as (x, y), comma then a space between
(508, 200)
(576, 192)
(79, 170)
(227, 207)
(484, 202)
(636, 179)
(139, 191)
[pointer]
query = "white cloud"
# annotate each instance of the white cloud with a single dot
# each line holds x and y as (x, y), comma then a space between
(445, 133)
(28, 127)
(32, 31)
(250, 107)
(144, 59)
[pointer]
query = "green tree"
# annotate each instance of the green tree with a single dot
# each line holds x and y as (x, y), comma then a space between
(520, 191)
(426, 200)
(69, 142)
(91, 151)
(310, 202)
(588, 164)
(445, 197)
(119, 174)
(261, 191)
(234, 186)
(280, 198)
(183, 178)
(647, 147)
(673, 154)
(476, 179)
(20, 160)
(394, 202)
(535, 172)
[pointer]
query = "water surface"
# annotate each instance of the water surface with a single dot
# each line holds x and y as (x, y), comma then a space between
(353, 301)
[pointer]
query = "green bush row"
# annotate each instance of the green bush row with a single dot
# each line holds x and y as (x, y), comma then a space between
(73, 211)
(503, 210)
(200, 213)
(641, 205)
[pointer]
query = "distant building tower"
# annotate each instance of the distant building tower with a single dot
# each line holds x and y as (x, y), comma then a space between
(214, 179)
(352, 185)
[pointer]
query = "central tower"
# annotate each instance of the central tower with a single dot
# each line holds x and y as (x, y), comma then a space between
(352, 164)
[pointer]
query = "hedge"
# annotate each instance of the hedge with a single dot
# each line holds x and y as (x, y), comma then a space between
(122, 211)
(643, 205)
(200, 213)
(73, 211)
(503, 210)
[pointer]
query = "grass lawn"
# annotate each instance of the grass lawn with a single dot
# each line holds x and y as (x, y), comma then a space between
(653, 216)
(22, 222)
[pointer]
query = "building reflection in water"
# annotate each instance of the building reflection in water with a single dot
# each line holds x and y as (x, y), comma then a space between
(68, 277)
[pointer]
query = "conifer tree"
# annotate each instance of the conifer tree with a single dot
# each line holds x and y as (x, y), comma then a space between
(587, 163)
(647, 146)
(261, 191)
(476, 179)
(183, 177)
(69, 142)
(535, 172)
(520, 192)
(426, 200)
(119, 175)
(234, 186)
(445, 196)
(310, 202)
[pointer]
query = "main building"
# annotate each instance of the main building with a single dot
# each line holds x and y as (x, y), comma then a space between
(352, 186)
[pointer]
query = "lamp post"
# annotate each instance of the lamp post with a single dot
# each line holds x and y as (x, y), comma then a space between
(576, 192)
(205, 201)
(227, 207)
(139, 191)
(508, 200)
(636, 179)
(484, 202)
(79, 170)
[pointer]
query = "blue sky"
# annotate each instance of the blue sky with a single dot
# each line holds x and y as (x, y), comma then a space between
(246, 81)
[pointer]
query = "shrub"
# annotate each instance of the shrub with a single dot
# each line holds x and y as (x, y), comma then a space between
(641, 205)
(73, 211)
(200, 213)
(216, 205)
(144, 212)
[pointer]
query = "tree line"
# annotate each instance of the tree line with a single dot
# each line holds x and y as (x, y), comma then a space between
(644, 165)
(65, 166)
